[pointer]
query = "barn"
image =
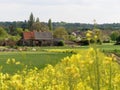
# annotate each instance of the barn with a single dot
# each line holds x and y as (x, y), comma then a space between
(35, 38)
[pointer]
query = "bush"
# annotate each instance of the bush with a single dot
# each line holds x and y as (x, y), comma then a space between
(84, 42)
(61, 43)
(117, 41)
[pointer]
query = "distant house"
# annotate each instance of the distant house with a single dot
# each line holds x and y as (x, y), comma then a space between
(28, 35)
(37, 38)
(43, 38)
(78, 33)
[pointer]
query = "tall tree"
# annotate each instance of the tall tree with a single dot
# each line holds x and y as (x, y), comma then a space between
(37, 20)
(31, 21)
(50, 24)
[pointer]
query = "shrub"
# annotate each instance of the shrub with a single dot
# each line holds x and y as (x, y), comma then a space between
(117, 41)
(84, 42)
(61, 43)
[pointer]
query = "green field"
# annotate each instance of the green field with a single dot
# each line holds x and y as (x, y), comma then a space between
(41, 57)
(31, 59)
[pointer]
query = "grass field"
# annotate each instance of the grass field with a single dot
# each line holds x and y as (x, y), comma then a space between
(31, 59)
(41, 57)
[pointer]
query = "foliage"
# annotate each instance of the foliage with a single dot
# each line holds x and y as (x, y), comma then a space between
(50, 25)
(3, 35)
(36, 26)
(37, 19)
(60, 32)
(31, 21)
(19, 31)
(69, 26)
(14, 38)
(114, 35)
(84, 41)
(39, 26)
(61, 43)
(24, 25)
(106, 39)
(118, 40)
(72, 37)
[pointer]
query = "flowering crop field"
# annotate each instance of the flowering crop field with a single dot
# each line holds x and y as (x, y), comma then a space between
(43, 56)
(87, 69)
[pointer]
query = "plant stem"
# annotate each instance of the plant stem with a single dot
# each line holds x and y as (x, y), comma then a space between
(97, 70)
(110, 77)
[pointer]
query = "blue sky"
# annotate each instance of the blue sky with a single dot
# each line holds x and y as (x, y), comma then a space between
(83, 11)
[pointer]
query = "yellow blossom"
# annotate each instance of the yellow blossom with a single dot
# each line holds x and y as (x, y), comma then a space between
(91, 62)
(8, 61)
(88, 35)
(13, 60)
(108, 60)
(17, 63)
(95, 36)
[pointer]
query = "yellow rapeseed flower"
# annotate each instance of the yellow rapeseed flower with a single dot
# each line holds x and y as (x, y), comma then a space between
(95, 36)
(13, 60)
(17, 63)
(88, 35)
(91, 62)
(80, 86)
(108, 60)
(8, 61)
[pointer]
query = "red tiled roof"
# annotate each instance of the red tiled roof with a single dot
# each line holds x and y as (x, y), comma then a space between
(28, 35)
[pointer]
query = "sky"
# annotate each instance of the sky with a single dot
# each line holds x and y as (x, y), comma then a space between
(72, 11)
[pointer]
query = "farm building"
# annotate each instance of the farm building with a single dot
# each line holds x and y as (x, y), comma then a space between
(36, 38)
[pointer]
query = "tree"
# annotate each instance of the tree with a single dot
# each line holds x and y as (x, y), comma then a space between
(50, 24)
(60, 32)
(39, 26)
(19, 31)
(14, 38)
(24, 25)
(118, 40)
(106, 39)
(3, 35)
(31, 21)
(36, 26)
(12, 30)
(114, 35)
(37, 20)
(44, 27)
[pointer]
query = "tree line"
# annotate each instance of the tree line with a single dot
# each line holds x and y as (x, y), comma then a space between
(61, 29)
(34, 24)
(68, 26)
